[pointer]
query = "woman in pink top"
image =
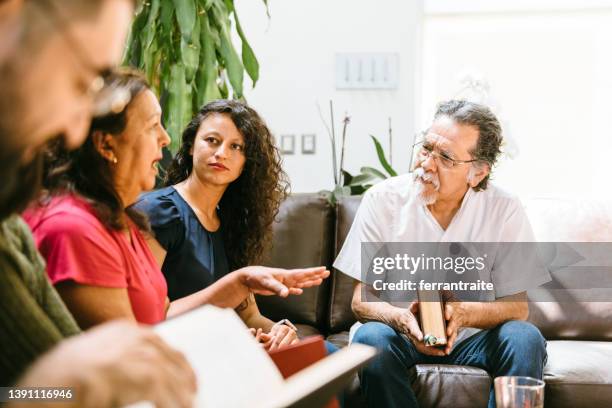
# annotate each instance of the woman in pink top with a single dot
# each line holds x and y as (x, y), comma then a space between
(94, 244)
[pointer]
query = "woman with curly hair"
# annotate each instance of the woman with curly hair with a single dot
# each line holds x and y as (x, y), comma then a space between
(224, 188)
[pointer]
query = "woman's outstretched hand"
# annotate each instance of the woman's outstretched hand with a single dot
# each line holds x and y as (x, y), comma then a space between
(282, 282)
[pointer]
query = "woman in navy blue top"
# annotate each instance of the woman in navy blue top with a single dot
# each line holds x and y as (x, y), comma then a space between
(224, 188)
(195, 257)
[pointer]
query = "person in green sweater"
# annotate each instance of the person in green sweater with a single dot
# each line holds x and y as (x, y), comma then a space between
(38, 62)
(44, 64)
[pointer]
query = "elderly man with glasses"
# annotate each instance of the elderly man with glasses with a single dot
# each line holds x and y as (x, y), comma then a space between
(446, 198)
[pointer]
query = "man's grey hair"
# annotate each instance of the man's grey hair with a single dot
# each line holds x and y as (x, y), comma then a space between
(490, 138)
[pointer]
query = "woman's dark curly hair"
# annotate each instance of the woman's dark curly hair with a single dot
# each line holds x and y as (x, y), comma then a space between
(84, 171)
(250, 203)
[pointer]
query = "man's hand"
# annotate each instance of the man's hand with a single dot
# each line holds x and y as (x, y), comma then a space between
(456, 314)
(116, 364)
(282, 282)
(409, 325)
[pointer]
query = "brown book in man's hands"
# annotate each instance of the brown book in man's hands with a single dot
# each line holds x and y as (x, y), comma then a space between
(431, 316)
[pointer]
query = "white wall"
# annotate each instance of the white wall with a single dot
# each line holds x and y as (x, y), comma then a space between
(296, 49)
(548, 63)
(551, 75)
(505, 6)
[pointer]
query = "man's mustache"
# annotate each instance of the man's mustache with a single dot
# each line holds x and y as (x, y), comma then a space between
(423, 176)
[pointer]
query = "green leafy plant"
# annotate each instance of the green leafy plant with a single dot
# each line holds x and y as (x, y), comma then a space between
(368, 176)
(346, 184)
(185, 49)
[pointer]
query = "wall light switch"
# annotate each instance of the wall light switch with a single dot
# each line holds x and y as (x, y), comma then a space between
(309, 143)
(287, 145)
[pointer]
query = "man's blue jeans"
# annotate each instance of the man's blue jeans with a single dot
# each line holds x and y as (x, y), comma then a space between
(512, 348)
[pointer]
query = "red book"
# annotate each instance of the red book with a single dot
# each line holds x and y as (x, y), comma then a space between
(295, 357)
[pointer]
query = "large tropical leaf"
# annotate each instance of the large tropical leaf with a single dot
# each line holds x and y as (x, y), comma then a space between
(363, 178)
(360, 189)
(208, 71)
(346, 177)
(149, 61)
(371, 171)
(131, 53)
(251, 65)
(190, 54)
(179, 103)
(381, 157)
(166, 20)
(148, 31)
(233, 65)
(186, 16)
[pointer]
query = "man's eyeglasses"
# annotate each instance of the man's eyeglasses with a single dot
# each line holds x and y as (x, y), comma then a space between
(105, 99)
(424, 149)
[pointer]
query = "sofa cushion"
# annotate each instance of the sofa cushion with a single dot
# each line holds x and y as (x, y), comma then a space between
(578, 374)
(570, 220)
(341, 316)
(340, 339)
(303, 237)
(580, 314)
(566, 320)
(470, 386)
(305, 330)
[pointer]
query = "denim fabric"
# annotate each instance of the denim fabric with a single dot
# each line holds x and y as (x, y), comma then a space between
(330, 347)
(512, 348)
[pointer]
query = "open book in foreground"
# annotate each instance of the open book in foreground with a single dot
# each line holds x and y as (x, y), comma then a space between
(233, 370)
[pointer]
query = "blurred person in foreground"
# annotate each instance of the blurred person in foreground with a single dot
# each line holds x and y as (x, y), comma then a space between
(53, 57)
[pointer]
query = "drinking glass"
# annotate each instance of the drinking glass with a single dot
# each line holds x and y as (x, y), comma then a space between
(519, 392)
